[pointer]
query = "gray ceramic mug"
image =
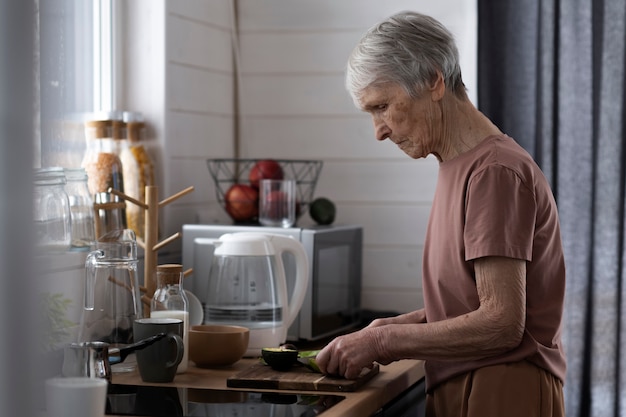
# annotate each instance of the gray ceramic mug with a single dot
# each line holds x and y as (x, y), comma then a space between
(158, 362)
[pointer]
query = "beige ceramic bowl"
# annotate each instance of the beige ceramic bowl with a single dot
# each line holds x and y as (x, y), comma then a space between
(215, 345)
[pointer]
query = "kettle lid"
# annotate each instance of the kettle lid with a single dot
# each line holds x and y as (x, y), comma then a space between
(245, 244)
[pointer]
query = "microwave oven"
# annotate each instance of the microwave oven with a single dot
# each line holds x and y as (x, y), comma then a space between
(332, 303)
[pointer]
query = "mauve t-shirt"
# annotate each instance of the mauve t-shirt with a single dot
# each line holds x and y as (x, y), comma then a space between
(495, 201)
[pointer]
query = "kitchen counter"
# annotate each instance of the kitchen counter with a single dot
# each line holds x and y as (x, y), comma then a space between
(391, 381)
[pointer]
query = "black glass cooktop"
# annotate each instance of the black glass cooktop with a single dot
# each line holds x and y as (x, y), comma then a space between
(156, 401)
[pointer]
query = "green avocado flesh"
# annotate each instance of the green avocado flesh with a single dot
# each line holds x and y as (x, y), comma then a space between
(278, 349)
(308, 353)
(311, 364)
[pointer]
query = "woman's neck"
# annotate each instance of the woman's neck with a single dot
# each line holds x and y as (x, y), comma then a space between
(463, 127)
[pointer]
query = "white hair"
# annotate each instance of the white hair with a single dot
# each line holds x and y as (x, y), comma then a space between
(408, 49)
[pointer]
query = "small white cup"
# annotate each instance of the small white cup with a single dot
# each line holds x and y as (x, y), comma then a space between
(76, 396)
(277, 203)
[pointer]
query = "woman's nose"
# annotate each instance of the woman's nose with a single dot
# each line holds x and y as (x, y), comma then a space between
(381, 130)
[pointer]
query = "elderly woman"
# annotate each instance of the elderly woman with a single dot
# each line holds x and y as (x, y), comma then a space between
(493, 268)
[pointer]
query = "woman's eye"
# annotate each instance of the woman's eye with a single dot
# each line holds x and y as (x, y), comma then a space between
(376, 108)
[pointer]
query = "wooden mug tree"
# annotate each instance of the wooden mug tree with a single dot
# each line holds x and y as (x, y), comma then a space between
(150, 244)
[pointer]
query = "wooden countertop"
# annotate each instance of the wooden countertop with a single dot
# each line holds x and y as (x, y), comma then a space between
(391, 381)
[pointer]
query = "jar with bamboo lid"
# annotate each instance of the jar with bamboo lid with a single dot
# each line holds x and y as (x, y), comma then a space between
(101, 161)
(138, 169)
(104, 170)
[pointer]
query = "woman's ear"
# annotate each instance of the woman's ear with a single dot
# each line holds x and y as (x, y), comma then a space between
(438, 87)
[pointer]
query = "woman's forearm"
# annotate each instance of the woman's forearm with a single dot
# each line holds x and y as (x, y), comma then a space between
(417, 316)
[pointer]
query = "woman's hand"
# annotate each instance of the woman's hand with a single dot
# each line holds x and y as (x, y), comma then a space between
(347, 355)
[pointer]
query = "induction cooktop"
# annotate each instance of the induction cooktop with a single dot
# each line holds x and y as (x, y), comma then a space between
(160, 401)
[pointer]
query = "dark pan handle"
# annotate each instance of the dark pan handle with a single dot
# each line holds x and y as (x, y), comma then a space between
(117, 355)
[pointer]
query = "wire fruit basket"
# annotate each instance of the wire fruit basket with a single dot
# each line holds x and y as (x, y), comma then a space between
(228, 172)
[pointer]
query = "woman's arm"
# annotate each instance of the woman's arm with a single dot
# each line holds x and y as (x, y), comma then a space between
(495, 327)
(417, 316)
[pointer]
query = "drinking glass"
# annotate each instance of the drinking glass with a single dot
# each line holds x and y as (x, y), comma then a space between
(277, 203)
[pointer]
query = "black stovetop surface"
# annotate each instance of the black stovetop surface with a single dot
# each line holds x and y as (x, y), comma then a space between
(161, 401)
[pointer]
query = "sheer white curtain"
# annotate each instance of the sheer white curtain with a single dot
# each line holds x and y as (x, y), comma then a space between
(41, 54)
(552, 75)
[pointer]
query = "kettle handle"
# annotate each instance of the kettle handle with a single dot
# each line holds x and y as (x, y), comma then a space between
(291, 245)
(90, 277)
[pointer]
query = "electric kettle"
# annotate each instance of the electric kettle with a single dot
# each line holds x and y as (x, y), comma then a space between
(247, 286)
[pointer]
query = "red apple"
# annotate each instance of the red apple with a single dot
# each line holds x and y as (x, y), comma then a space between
(242, 202)
(265, 169)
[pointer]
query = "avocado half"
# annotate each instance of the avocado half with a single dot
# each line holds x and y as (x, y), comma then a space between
(279, 359)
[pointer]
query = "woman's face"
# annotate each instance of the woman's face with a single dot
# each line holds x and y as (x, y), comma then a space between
(409, 123)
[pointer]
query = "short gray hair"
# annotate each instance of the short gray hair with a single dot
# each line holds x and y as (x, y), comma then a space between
(408, 49)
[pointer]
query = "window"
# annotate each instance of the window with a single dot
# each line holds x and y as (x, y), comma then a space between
(75, 75)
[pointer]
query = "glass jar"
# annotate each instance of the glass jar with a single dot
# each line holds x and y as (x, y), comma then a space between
(81, 209)
(169, 300)
(104, 170)
(101, 161)
(51, 210)
(138, 170)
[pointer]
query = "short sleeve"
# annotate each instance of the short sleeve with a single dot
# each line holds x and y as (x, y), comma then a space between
(500, 213)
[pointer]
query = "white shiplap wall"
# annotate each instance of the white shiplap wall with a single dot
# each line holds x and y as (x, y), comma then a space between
(179, 65)
(292, 104)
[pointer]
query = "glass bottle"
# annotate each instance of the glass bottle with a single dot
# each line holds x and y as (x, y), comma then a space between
(81, 209)
(51, 210)
(169, 300)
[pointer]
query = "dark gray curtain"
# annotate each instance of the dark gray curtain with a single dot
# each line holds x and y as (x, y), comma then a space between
(552, 75)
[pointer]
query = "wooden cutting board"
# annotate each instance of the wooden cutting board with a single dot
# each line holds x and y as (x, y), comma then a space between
(297, 378)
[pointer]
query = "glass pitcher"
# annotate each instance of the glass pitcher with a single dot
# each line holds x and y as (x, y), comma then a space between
(112, 298)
